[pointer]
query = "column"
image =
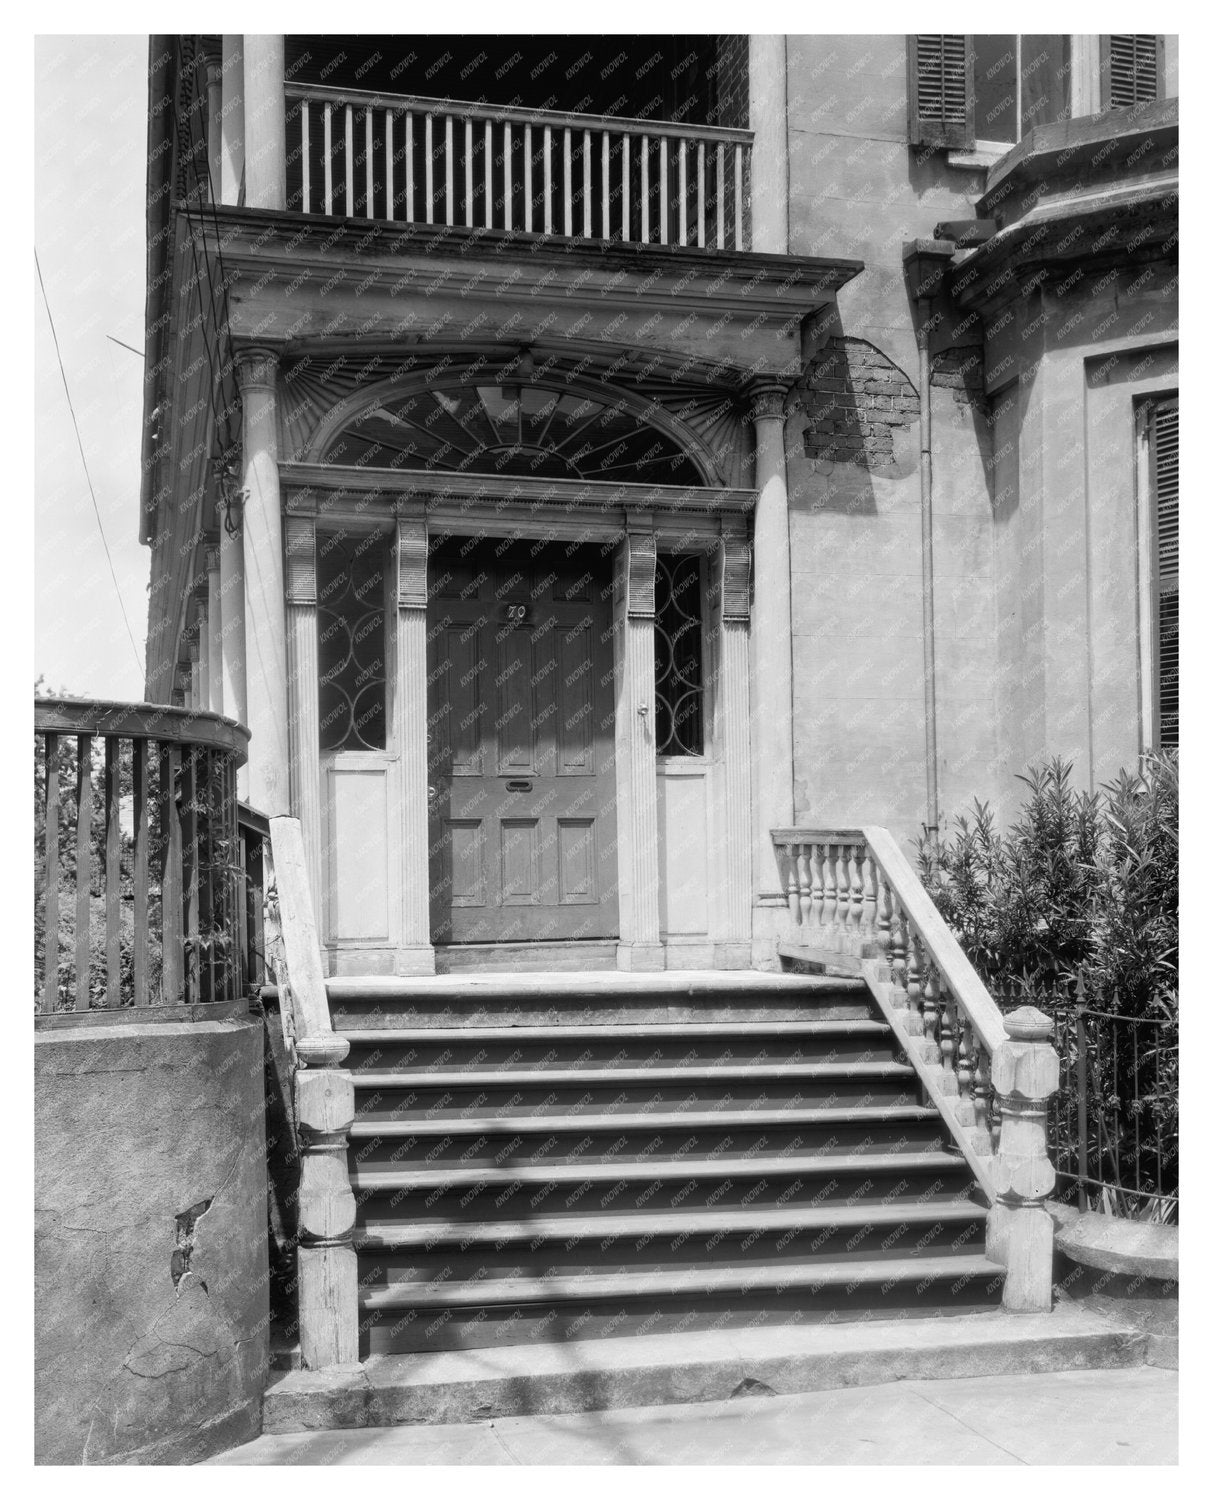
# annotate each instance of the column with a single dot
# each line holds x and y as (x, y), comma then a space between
(214, 124)
(231, 121)
(769, 158)
(733, 588)
(214, 627)
(231, 608)
(771, 641)
(636, 747)
(264, 122)
(303, 693)
(264, 609)
(416, 954)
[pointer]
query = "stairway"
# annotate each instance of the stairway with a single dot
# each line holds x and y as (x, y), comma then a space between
(544, 1157)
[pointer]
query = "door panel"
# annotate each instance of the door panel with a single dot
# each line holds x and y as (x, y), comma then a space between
(522, 782)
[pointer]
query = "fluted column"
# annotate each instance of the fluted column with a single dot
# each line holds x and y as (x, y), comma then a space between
(771, 640)
(264, 122)
(416, 954)
(733, 562)
(214, 628)
(769, 157)
(231, 120)
(264, 608)
(213, 65)
(636, 748)
(303, 693)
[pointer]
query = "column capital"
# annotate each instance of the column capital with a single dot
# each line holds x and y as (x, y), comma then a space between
(256, 369)
(766, 397)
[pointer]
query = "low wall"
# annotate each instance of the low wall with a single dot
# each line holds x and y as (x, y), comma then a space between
(151, 1302)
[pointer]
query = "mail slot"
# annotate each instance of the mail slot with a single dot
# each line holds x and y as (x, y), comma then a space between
(519, 786)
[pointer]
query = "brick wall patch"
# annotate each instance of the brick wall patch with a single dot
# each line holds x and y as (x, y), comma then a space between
(855, 400)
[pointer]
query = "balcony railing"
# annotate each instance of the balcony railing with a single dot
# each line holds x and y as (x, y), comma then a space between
(138, 898)
(487, 166)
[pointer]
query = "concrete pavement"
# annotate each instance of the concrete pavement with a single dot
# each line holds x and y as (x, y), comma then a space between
(1126, 1416)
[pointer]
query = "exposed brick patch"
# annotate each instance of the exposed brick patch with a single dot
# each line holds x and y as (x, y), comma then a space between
(961, 370)
(732, 69)
(855, 399)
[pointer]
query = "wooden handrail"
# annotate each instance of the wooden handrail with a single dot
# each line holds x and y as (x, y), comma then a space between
(471, 109)
(141, 721)
(297, 959)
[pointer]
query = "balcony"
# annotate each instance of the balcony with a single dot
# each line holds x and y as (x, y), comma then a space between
(414, 160)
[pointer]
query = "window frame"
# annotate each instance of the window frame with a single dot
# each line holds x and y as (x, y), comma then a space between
(922, 132)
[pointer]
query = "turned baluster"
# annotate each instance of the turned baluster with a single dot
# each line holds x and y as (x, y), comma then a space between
(914, 985)
(897, 956)
(856, 872)
(792, 879)
(935, 1019)
(803, 884)
(884, 917)
(829, 913)
(817, 891)
(867, 920)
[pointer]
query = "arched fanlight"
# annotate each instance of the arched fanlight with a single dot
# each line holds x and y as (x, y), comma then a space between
(526, 431)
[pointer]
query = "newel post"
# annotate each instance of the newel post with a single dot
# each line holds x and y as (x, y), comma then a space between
(1019, 1235)
(328, 1262)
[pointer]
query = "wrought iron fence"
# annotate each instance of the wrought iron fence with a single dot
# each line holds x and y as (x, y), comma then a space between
(1115, 1123)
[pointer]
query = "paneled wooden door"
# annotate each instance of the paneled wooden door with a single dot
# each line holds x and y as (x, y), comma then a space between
(521, 744)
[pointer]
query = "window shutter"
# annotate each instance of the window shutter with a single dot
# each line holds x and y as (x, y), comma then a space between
(941, 97)
(1131, 70)
(1164, 481)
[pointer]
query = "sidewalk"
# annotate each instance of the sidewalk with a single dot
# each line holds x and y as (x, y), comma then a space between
(1077, 1417)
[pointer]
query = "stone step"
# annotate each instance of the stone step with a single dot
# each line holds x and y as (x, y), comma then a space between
(557, 1077)
(389, 1233)
(656, 1369)
(754, 1117)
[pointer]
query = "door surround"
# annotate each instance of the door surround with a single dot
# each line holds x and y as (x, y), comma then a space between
(637, 519)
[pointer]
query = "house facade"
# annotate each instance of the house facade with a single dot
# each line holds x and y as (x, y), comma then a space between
(575, 458)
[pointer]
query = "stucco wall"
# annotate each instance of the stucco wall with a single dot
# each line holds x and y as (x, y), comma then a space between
(857, 188)
(151, 1300)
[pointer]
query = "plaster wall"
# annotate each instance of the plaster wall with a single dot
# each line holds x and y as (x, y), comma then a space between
(151, 1300)
(857, 188)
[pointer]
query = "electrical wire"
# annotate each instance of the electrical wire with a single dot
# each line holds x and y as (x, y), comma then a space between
(84, 461)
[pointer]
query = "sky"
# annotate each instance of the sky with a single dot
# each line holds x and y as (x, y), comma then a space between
(90, 149)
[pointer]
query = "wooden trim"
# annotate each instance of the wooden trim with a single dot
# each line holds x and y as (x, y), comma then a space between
(144, 1015)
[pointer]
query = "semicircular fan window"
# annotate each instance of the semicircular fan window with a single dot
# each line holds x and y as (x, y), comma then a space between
(520, 431)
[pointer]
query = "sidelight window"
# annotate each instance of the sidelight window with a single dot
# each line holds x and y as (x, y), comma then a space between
(679, 652)
(352, 575)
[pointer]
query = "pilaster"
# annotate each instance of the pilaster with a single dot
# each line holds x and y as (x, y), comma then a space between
(735, 872)
(303, 668)
(636, 746)
(416, 955)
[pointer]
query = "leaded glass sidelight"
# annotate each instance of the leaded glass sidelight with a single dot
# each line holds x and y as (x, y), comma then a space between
(352, 627)
(678, 650)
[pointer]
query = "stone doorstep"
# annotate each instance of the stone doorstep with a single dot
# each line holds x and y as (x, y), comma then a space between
(1122, 1246)
(663, 1369)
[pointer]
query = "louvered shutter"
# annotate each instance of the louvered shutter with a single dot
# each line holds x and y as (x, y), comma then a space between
(942, 103)
(1164, 481)
(1131, 69)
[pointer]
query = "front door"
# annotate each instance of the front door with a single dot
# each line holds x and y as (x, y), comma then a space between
(521, 743)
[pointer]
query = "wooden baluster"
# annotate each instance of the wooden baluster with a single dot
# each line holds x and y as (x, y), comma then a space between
(547, 179)
(587, 189)
(429, 169)
(409, 176)
(738, 199)
(449, 175)
(349, 161)
(469, 195)
(508, 162)
(817, 891)
(369, 119)
(389, 165)
(568, 181)
(305, 157)
(720, 195)
(170, 878)
(528, 169)
(664, 190)
(644, 189)
(488, 174)
(829, 912)
(139, 815)
(113, 876)
(683, 192)
(701, 181)
(328, 158)
(625, 142)
(50, 972)
(192, 852)
(606, 185)
(84, 861)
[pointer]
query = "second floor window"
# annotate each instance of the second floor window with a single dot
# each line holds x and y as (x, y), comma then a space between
(1131, 69)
